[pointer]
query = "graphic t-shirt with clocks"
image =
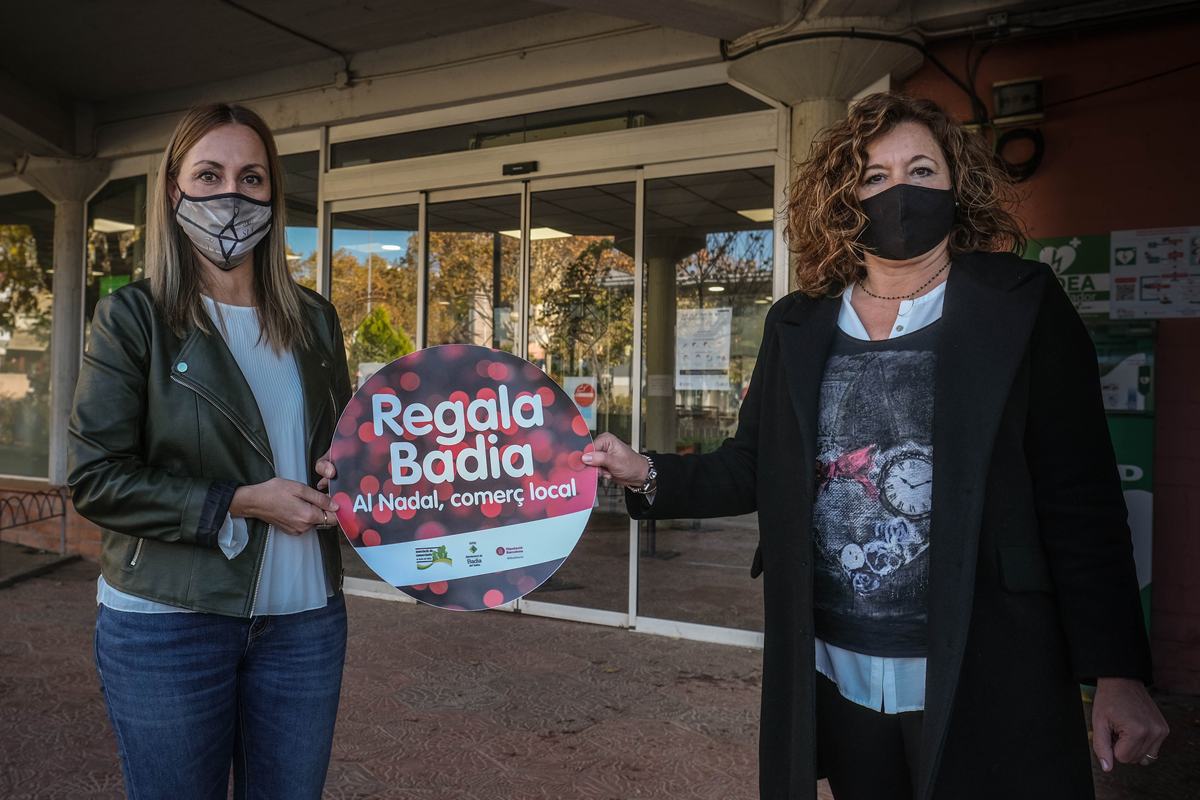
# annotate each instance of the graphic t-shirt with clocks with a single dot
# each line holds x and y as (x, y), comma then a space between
(873, 494)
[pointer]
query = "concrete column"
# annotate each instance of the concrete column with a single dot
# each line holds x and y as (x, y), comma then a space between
(662, 254)
(809, 117)
(69, 184)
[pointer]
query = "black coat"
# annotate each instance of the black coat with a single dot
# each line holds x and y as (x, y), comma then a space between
(1032, 587)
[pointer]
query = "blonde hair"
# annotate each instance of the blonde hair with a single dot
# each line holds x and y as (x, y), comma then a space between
(176, 275)
(824, 213)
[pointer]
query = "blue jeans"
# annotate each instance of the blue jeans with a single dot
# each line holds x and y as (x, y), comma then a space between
(189, 694)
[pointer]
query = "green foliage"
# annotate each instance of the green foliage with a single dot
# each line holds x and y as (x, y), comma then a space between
(378, 340)
(25, 302)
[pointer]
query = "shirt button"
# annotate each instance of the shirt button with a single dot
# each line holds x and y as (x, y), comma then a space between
(898, 328)
(182, 366)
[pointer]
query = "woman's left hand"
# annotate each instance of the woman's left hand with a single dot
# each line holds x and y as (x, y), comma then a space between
(1126, 724)
(326, 470)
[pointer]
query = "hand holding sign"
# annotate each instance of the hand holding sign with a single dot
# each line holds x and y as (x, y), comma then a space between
(460, 476)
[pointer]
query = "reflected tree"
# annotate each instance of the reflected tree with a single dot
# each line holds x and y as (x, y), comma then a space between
(25, 311)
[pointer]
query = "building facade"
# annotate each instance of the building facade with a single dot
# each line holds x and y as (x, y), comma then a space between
(582, 184)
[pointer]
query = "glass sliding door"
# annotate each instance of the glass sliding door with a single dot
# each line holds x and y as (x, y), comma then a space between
(373, 285)
(474, 271)
(581, 334)
(708, 246)
(706, 283)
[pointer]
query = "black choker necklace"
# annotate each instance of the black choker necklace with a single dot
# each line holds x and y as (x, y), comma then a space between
(907, 296)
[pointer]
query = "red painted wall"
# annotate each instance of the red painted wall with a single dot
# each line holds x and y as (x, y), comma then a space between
(1120, 160)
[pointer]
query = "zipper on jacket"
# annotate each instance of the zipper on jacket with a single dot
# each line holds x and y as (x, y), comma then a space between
(271, 528)
(137, 552)
(228, 416)
(261, 563)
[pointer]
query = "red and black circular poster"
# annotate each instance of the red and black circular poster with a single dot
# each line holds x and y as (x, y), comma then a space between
(460, 478)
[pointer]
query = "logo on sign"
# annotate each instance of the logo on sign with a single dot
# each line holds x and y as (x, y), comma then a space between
(1059, 258)
(428, 556)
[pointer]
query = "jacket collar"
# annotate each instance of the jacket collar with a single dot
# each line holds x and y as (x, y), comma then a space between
(805, 337)
(207, 366)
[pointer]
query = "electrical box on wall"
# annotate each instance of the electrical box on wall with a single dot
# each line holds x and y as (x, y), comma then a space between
(1017, 101)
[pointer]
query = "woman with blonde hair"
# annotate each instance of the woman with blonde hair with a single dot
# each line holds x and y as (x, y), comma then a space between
(208, 395)
(943, 536)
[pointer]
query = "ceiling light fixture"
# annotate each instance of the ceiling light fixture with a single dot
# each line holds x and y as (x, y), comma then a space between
(390, 247)
(111, 226)
(716, 288)
(537, 234)
(758, 214)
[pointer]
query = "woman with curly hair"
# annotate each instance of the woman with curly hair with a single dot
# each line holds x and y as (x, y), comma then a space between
(943, 536)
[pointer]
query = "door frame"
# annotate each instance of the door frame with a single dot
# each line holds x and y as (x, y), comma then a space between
(356, 189)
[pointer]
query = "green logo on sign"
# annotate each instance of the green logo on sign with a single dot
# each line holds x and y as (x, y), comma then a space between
(439, 555)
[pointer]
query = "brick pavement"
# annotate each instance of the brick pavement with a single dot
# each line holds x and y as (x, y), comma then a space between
(440, 705)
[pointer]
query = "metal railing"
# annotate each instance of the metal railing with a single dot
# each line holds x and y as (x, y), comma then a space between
(20, 508)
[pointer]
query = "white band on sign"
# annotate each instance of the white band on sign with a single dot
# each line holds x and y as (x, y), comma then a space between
(525, 544)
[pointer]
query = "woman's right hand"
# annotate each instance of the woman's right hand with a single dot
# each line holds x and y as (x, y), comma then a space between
(290, 506)
(618, 461)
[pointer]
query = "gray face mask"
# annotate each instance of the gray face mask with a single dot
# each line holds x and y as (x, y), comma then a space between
(224, 227)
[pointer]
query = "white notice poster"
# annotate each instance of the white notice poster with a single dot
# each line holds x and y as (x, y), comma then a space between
(1155, 273)
(702, 348)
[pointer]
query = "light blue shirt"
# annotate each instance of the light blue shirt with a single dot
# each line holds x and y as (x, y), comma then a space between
(293, 574)
(890, 685)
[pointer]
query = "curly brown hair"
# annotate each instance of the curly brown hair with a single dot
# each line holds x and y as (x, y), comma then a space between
(824, 213)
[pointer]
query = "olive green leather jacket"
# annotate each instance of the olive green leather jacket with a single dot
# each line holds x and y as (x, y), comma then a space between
(164, 430)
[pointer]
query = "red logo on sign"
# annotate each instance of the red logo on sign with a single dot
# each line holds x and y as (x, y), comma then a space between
(585, 395)
(499, 551)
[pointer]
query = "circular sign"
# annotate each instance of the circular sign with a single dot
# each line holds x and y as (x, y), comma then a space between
(460, 478)
(585, 395)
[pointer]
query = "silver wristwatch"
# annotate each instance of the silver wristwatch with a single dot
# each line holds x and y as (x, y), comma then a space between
(651, 479)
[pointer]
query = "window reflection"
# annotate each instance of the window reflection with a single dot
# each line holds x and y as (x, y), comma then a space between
(374, 285)
(474, 271)
(709, 249)
(300, 176)
(26, 302)
(581, 334)
(116, 242)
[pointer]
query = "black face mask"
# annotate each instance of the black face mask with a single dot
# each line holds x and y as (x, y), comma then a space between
(906, 221)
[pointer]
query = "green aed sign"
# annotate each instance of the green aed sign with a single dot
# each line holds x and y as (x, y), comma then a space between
(1082, 266)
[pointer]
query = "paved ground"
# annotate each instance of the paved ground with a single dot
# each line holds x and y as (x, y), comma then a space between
(463, 706)
(17, 560)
